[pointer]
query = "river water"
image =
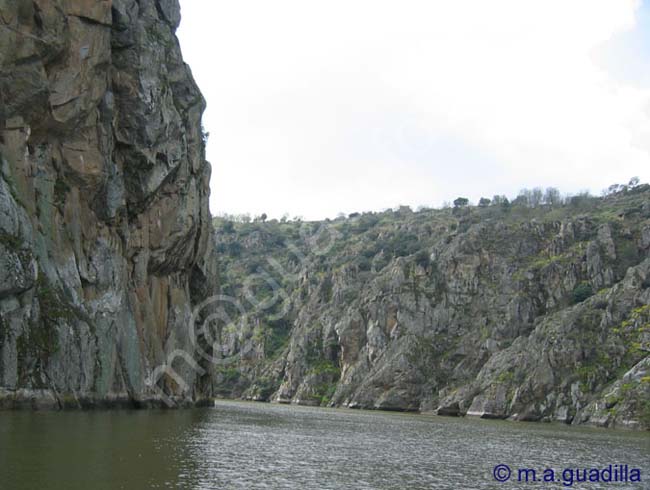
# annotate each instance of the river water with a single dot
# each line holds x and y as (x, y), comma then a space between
(239, 445)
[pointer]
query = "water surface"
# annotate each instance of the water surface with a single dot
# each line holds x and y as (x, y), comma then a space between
(240, 445)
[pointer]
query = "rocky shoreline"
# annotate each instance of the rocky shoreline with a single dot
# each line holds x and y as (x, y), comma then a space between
(523, 313)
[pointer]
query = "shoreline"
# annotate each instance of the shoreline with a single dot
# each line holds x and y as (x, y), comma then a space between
(23, 400)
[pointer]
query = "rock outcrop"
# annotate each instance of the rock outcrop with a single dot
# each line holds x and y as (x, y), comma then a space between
(500, 312)
(105, 234)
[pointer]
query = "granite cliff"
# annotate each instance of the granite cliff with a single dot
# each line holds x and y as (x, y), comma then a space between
(105, 234)
(526, 311)
(529, 312)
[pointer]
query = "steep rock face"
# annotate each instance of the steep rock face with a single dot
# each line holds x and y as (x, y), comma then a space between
(105, 233)
(531, 314)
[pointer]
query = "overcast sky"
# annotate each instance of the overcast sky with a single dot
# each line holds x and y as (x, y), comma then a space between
(321, 107)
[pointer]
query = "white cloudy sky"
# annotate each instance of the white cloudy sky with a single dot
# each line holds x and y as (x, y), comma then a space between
(320, 107)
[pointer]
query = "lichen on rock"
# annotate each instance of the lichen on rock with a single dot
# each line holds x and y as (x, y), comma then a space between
(104, 221)
(529, 314)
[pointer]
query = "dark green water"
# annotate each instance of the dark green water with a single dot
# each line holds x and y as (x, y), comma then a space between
(247, 445)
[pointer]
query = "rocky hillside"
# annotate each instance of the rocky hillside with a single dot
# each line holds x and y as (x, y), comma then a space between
(105, 233)
(501, 311)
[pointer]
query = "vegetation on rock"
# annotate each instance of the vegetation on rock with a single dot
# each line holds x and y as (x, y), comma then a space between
(526, 308)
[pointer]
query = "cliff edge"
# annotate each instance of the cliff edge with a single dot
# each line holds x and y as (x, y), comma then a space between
(105, 231)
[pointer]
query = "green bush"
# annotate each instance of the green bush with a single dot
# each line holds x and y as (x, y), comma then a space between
(325, 367)
(403, 245)
(234, 249)
(365, 264)
(461, 202)
(484, 202)
(228, 227)
(581, 292)
(422, 259)
(277, 337)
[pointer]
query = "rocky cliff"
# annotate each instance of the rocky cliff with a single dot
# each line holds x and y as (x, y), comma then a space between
(105, 232)
(529, 313)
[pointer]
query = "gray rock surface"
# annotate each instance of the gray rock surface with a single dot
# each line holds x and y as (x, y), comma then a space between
(105, 234)
(529, 314)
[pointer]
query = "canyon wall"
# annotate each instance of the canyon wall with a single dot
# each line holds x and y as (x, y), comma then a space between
(105, 234)
(500, 311)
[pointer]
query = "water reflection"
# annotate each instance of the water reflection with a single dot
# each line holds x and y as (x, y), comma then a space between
(261, 446)
(96, 450)
(245, 445)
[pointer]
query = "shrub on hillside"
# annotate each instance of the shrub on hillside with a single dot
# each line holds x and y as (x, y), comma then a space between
(581, 292)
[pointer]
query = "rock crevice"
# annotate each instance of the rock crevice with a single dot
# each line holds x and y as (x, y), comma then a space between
(104, 220)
